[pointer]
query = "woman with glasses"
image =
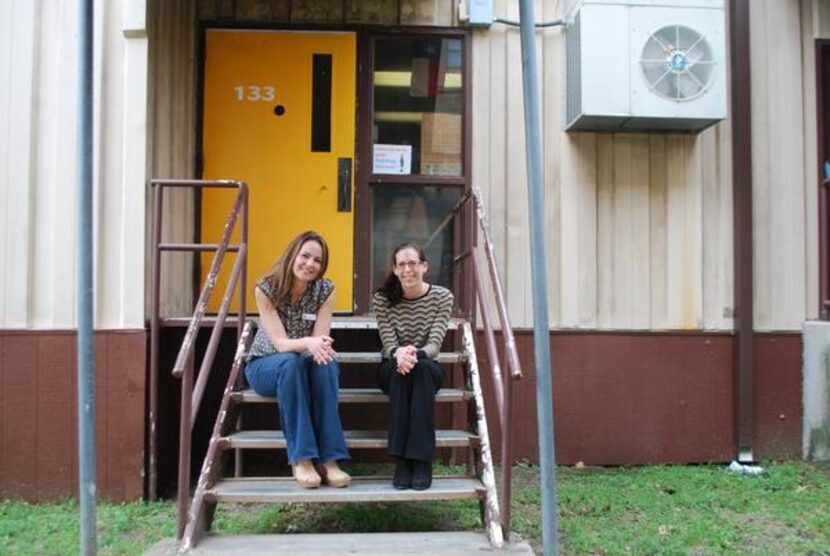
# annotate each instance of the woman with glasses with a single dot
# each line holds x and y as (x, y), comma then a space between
(412, 320)
(292, 358)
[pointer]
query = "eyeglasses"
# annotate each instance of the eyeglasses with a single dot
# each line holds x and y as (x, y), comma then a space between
(407, 264)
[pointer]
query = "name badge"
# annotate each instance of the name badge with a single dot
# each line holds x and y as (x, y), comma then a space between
(309, 316)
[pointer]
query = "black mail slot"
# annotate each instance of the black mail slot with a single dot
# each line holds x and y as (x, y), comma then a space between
(321, 104)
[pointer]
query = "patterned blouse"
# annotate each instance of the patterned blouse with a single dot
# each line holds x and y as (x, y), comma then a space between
(298, 320)
(420, 322)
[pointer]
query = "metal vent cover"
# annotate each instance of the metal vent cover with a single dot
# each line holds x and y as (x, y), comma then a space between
(677, 63)
(573, 70)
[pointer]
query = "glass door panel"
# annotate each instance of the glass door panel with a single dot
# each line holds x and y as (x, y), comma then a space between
(414, 214)
(418, 91)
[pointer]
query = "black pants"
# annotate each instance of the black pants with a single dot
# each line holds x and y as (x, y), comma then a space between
(411, 407)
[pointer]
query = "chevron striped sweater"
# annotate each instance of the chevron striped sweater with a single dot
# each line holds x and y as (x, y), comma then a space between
(420, 322)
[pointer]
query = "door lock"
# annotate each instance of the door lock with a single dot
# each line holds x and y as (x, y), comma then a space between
(344, 185)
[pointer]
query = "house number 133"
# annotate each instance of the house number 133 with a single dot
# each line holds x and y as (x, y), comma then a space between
(254, 93)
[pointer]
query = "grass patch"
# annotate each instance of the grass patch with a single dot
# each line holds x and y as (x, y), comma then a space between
(682, 510)
(54, 528)
(455, 515)
(631, 510)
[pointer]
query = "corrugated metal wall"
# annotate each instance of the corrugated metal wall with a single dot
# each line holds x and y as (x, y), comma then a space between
(628, 215)
(780, 179)
(38, 99)
(639, 224)
(172, 141)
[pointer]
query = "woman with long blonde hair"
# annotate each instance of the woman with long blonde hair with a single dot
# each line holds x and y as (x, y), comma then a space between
(292, 358)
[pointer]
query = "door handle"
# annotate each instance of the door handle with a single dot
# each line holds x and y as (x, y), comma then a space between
(344, 185)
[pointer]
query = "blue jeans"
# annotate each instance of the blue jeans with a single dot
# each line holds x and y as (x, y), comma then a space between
(307, 394)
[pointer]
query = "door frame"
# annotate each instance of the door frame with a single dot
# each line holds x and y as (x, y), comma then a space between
(465, 236)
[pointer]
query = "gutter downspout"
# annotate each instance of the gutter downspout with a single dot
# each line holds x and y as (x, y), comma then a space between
(742, 221)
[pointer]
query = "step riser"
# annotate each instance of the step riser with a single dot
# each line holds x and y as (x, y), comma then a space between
(270, 439)
(397, 496)
(352, 444)
(354, 396)
(362, 489)
(355, 357)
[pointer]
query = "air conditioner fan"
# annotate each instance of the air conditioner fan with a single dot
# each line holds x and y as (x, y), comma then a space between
(677, 63)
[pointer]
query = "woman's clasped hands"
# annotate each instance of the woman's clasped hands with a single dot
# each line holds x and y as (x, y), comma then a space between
(407, 358)
(320, 349)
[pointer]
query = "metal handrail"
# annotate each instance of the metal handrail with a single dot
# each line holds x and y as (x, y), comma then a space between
(188, 344)
(213, 343)
(501, 306)
(191, 397)
(501, 377)
(211, 460)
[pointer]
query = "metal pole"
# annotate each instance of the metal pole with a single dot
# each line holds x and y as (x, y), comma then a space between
(541, 330)
(742, 220)
(155, 312)
(86, 362)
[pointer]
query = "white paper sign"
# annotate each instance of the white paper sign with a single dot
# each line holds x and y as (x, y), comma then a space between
(392, 159)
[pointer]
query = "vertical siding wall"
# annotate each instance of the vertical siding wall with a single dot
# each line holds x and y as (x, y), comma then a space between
(815, 24)
(781, 186)
(639, 225)
(38, 100)
(172, 141)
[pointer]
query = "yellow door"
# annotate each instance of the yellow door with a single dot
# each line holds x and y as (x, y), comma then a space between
(279, 113)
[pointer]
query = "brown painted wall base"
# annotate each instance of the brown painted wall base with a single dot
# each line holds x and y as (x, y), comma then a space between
(778, 395)
(619, 398)
(38, 417)
(637, 398)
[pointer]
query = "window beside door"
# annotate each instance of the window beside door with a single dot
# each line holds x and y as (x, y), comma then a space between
(417, 166)
(418, 94)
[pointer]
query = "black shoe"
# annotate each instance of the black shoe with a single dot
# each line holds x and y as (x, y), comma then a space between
(403, 474)
(421, 475)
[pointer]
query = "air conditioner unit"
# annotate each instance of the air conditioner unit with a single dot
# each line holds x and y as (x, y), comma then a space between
(645, 65)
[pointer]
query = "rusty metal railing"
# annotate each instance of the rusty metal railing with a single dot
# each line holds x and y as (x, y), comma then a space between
(212, 459)
(501, 376)
(183, 368)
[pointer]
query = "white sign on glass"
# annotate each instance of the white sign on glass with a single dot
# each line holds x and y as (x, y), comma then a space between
(392, 159)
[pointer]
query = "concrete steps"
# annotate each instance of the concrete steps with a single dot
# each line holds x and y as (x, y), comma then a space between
(420, 543)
